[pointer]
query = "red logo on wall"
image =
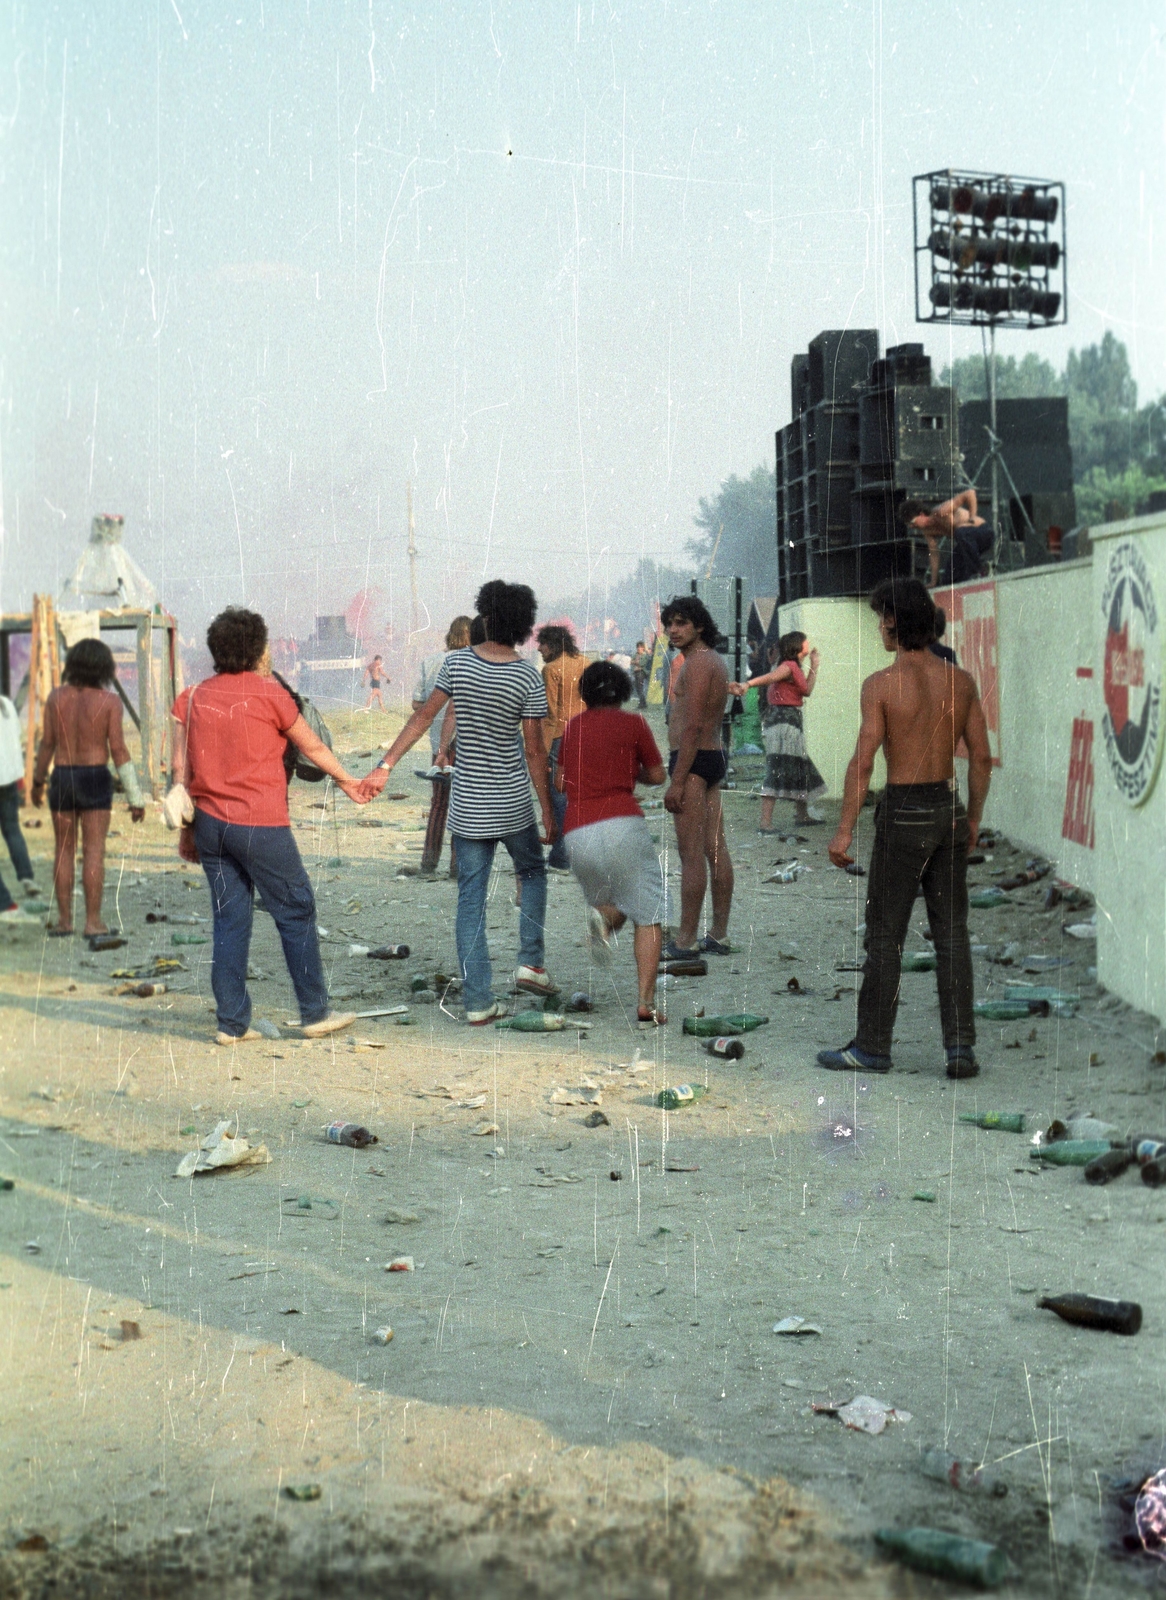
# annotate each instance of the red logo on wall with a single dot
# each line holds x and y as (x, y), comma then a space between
(1077, 823)
(971, 616)
(1132, 679)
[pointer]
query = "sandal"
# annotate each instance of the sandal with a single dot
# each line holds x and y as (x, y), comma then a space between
(650, 1017)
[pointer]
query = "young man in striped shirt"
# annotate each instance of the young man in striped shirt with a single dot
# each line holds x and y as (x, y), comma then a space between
(500, 703)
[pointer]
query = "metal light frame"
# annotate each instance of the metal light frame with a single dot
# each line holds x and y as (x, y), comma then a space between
(995, 248)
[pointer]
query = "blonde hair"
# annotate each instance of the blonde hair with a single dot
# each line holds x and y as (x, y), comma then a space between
(458, 635)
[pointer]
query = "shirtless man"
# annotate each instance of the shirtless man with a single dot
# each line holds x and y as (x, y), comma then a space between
(697, 767)
(82, 730)
(959, 520)
(917, 710)
(374, 676)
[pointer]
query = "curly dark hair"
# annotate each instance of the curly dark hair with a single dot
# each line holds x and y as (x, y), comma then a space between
(789, 646)
(236, 640)
(604, 684)
(508, 610)
(910, 509)
(89, 665)
(558, 640)
(907, 609)
(689, 609)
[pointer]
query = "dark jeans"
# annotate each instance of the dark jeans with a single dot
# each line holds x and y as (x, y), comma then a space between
(921, 837)
(238, 860)
(558, 855)
(10, 828)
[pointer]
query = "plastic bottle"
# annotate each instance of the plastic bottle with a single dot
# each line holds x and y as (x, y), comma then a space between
(1010, 1010)
(1071, 1152)
(532, 1022)
(350, 1133)
(727, 1048)
(1006, 1121)
(947, 1555)
(985, 899)
(936, 1463)
(1111, 1165)
(1091, 1311)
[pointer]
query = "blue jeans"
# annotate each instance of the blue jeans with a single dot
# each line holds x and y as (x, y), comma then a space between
(10, 828)
(238, 860)
(474, 860)
(558, 855)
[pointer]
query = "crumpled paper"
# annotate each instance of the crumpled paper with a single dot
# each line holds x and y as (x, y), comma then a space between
(863, 1413)
(584, 1094)
(219, 1149)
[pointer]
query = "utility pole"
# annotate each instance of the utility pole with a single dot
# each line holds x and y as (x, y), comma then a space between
(414, 609)
(997, 531)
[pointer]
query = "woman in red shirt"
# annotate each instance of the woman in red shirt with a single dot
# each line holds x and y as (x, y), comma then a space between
(789, 772)
(604, 754)
(229, 747)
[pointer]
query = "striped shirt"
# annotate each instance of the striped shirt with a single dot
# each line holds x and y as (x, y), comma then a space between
(491, 783)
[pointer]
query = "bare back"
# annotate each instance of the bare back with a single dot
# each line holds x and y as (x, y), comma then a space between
(698, 700)
(927, 708)
(83, 727)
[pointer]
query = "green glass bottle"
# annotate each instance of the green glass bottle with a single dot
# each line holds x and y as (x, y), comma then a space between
(947, 1555)
(532, 1022)
(1006, 1121)
(1010, 1010)
(918, 961)
(1071, 1152)
(984, 899)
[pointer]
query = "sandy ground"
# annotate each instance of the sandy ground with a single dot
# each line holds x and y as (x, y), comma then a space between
(583, 1393)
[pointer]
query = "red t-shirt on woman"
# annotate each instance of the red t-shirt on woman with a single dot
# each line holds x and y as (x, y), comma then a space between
(789, 691)
(601, 756)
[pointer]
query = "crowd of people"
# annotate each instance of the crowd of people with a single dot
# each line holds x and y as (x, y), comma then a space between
(535, 762)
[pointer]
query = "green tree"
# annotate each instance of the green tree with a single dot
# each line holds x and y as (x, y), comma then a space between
(738, 532)
(1027, 379)
(630, 603)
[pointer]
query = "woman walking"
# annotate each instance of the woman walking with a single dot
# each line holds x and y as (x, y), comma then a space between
(82, 731)
(229, 749)
(562, 670)
(605, 753)
(789, 772)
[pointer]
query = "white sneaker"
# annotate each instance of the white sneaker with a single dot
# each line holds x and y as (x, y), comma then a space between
(535, 980)
(479, 1019)
(600, 937)
(29, 887)
(814, 814)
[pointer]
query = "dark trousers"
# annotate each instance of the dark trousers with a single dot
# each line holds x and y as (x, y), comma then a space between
(238, 860)
(10, 828)
(435, 826)
(558, 852)
(921, 837)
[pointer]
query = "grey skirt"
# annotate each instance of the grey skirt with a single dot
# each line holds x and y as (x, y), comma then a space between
(617, 864)
(789, 772)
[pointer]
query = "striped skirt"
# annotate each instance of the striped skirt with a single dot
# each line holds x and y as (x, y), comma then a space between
(789, 772)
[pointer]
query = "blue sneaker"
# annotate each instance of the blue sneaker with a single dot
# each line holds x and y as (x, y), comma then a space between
(715, 947)
(851, 1059)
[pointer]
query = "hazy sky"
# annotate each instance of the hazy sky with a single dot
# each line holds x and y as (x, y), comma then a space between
(263, 263)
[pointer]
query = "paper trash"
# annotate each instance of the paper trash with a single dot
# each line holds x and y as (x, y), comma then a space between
(219, 1149)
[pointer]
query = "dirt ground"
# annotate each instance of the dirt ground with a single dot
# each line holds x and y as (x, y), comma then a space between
(583, 1393)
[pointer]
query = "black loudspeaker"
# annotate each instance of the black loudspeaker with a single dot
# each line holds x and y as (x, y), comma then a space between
(840, 363)
(799, 385)
(1034, 438)
(914, 423)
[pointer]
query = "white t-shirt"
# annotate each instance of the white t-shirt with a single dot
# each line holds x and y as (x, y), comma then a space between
(491, 794)
(11, 756)
(423, 688)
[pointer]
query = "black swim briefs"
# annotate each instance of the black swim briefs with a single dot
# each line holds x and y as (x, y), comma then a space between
(81, 789)
(710, 765)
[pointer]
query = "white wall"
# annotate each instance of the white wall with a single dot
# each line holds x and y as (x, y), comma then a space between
(847, 634)
(1131, 840)
(1043, 638)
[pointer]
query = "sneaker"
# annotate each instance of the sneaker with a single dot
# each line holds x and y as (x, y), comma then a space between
(29, 886)
(961, 1061)
(814, 815)
(715, 947)
(535, 980)
(14, 913)
(238, 1038)
(479, 1019)
(851, 1059)
(332, 1023)
(674, 952)
(600, 937)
